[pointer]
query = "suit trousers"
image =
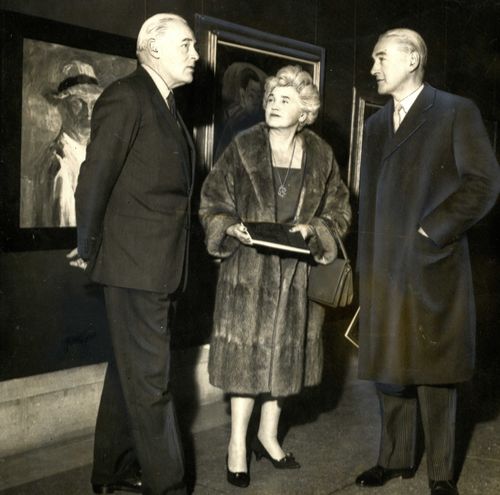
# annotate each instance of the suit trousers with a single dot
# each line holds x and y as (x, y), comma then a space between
(136, 421)
(398, 407)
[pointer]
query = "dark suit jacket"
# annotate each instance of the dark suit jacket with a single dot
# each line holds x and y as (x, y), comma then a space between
(437, 171)
(134, 189)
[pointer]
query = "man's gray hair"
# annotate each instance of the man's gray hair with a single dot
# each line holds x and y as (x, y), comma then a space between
(154, 27)
(411, 40)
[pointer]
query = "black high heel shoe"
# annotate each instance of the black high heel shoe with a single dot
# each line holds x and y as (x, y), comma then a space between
(240, 479)
(287, 462)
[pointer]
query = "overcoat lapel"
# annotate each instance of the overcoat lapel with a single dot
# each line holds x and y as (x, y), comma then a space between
(166, 119)
(192, 152)
(415, 119)
(170, 126)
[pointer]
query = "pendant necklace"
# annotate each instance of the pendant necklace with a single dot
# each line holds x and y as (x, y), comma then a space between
(282, 190)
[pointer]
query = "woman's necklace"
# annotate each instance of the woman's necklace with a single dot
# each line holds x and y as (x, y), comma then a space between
(282, 190)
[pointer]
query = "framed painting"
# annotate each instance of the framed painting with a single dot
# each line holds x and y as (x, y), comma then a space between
(236, 60)
(51, 76)
(362, 108)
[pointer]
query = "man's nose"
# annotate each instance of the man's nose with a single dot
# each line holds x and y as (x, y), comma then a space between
(374, 69)
(194, 54)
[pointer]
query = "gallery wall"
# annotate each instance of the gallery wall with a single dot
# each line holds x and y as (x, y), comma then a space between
(52, 318)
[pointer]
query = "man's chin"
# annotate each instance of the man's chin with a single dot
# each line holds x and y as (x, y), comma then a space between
(382, 89)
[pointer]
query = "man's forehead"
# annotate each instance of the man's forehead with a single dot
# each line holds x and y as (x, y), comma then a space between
(180, 31)
(385, 46)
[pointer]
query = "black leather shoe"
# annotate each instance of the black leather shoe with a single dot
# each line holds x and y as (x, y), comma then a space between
(240, 479)
(378, 476)
(443, 487)
(131, 485)
(287, 462)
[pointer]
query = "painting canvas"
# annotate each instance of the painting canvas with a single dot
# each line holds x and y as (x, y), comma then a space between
(240, 80)
(51, 75)
(59, 88)
(238, 60)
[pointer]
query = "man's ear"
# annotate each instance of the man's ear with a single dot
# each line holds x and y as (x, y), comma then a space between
(152, 48)
(414, 61)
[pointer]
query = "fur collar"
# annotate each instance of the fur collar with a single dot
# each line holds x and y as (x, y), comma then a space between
(253, 149)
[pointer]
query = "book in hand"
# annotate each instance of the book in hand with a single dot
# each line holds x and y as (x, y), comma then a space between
(276, 236)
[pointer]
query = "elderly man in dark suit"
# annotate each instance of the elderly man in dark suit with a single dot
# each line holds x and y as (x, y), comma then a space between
(428, 175)
(133, 215)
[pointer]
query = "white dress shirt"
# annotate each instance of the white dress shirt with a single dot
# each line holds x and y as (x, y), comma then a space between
(159, 82)
(407, 102)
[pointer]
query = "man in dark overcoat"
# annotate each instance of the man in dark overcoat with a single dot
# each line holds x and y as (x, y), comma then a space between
(428, 174)
(133, 214)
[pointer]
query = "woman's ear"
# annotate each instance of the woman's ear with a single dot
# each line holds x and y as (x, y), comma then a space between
(302, 118)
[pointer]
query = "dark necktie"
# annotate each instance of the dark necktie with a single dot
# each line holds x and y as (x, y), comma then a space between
(171, 104)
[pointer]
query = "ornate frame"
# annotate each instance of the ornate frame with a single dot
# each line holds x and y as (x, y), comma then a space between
(221, 43)
(361, 109)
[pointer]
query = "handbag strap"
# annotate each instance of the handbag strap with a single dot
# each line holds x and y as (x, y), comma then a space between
(336, 236)
(341, 244)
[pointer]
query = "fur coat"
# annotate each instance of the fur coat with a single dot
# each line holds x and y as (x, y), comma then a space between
(267, 335)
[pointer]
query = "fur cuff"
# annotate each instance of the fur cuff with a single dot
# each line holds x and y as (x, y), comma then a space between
(219, 244)
(322, 244)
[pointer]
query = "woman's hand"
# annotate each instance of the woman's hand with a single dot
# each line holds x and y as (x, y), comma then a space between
(239, 231)
(305, 229)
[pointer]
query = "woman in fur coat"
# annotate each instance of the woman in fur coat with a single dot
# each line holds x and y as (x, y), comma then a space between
(267, 335)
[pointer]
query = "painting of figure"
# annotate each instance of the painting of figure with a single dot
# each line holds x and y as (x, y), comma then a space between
(60, 87)
(240, 77)
(242, 91)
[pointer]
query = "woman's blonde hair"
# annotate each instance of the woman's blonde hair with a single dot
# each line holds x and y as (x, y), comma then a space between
(293, 76)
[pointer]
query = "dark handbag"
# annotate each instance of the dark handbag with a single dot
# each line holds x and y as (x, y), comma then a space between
(332, 284)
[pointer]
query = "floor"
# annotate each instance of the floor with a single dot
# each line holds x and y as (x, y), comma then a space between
(332, 430)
